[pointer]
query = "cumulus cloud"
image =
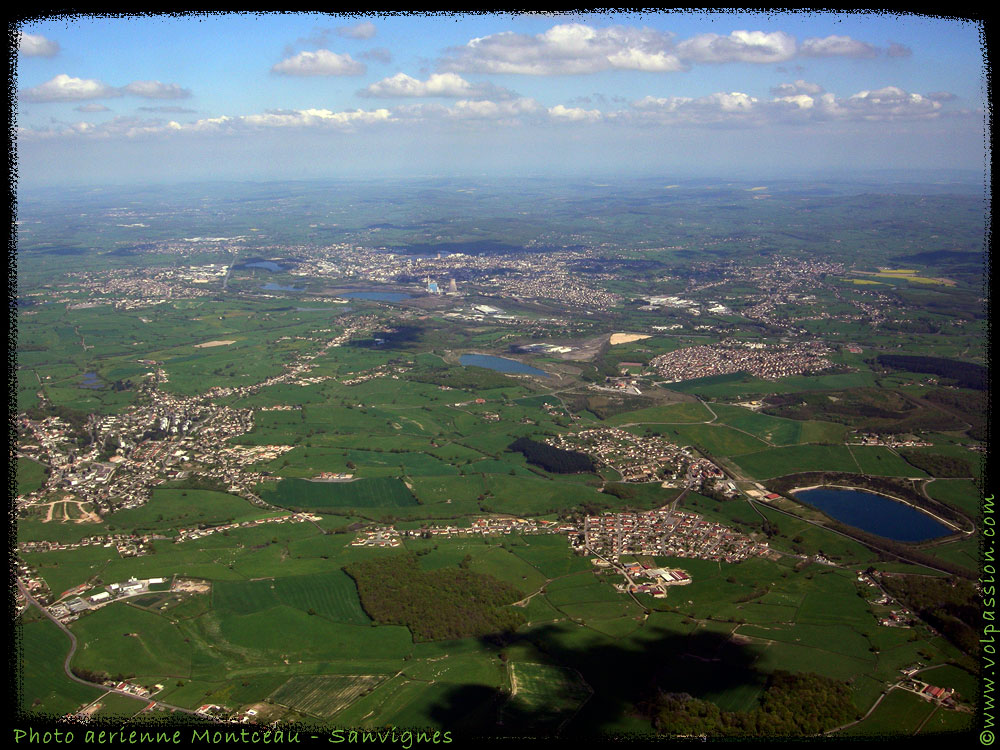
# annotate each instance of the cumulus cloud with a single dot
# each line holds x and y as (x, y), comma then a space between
(721, 108)
(363, 30)
(739, 46)
(322, 62)
(449, 85)
(156, 90)
(836, 46)
(891, 102)
(899, 50)
(64, 88)
(566, 49)
(484, 109)
(574, 114)
(301, 118)
(576, 48)
(36, 45)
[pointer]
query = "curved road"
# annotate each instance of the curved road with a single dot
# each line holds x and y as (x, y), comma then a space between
(72, 650)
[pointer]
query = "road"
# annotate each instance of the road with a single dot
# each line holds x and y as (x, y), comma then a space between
(72, 651)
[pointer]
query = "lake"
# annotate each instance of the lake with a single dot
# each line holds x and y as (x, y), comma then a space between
(875, 514)
(500, 364)
(90, 380)
(279, 288)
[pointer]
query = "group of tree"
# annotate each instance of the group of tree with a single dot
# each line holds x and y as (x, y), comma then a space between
(468, 378)
(965, 374)
(446, 603)
(555, 460)
(938, 465)
(793, 705)
(950, 605)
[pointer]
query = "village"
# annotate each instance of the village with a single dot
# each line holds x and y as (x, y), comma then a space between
(640, 459)
(667, 533)
(769, 362)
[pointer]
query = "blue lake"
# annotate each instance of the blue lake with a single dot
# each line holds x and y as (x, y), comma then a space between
(378, 296)
(500, 364)
(279, 288)
(875, 514)
(90, 380)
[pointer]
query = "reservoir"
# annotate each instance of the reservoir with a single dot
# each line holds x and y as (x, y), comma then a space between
(875, 514)
(500, 364)
(270, 287)
(377, 296)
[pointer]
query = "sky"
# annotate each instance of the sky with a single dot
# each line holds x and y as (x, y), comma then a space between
(160, 98)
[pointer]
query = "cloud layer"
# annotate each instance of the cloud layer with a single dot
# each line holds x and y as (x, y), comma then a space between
(65, 88)
(575, 48)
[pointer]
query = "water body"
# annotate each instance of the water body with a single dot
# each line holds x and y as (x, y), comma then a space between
(500, 364)
(378, 296)
(90, 380)
(875, 514)
(269, 287)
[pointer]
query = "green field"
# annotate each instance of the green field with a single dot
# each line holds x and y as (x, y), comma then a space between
(512, 635)
(543, 696)
(379, 492)
(324, 695)
(331, 595)
(45, 688)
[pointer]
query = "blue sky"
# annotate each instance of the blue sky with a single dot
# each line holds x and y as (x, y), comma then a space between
(289, 96)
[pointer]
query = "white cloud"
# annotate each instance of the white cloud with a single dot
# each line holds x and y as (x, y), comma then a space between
(156, 90)
(363, 30)
(891, 102)
(484, 109)
(739, 46)
(567, 49)
(36, 45)
(303, 118)
(448, 85)
(836, 46)
(574, 114)
(576, 48)
(799, 87)
(64, 88)
(721, 108)
(322, 62)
